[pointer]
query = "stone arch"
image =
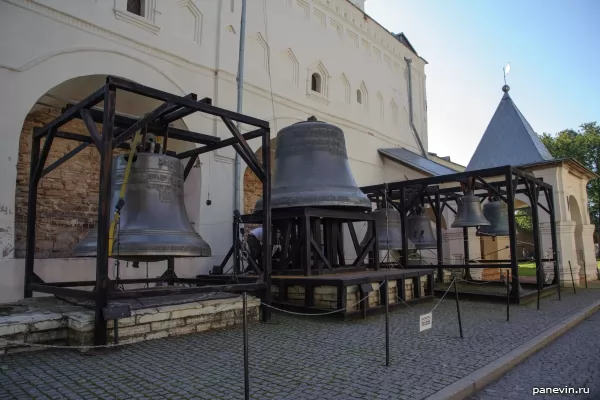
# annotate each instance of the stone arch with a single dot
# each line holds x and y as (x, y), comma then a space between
(575, 215)
(68, 196)
(34, 78)
(252, 188)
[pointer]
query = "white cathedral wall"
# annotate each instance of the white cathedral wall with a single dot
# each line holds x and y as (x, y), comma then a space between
(193, 47)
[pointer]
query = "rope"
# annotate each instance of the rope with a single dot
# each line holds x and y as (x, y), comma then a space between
(319, 314)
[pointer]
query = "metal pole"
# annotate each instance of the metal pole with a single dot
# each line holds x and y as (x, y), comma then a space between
(512, 227)
(387, 323)
(507, 296)
(240, 94)
(438, 233)
(458, 309)
(555, 253)
(31, 215)
(572, 279)
(585, 274)
(106, 155)
(245, 328)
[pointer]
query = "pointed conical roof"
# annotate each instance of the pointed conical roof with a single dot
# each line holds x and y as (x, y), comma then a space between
(508, 140)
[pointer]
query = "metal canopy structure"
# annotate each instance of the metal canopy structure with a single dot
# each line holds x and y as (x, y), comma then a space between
(117, 130)
(441, 192)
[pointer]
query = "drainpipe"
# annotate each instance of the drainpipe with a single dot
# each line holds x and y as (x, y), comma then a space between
(410, 107)
(240, 93)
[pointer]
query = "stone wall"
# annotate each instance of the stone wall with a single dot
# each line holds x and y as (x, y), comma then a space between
(75, 326)
(325, 297)
(67, 204)
(253, 185)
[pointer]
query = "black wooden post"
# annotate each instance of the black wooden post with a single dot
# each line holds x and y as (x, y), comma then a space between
(467, 253)
(512, 227)
(171, 271)
(387, 322)
(404, 256)
(458, 309)
(31, 215)
(572, 279)
(246, 363)
(236, 250)
(507, 296)
(267, 238)
(534, 197)
(106, 155)
(438, 233)
(550, 198)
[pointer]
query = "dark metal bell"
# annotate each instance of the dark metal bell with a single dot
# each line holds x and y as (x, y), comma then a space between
(495, 211)
(389, 230)
(419, 231)
(154, 224)
(469, 213)
(312, 169)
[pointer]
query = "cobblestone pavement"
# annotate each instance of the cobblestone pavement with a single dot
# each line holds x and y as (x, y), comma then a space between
(572, 361)
(295, 358)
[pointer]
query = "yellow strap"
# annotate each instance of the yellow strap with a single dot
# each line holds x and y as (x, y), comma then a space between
(117, 215)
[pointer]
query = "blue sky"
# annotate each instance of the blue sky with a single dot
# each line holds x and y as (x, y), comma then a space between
(553, 47)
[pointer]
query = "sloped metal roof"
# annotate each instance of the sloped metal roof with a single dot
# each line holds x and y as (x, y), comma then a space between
(508, 140)
(416, 161)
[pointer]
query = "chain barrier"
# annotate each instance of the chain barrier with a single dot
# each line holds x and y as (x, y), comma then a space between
(320, 314)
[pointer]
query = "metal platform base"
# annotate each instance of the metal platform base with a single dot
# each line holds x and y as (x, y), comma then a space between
(344, 291)
(495, 291)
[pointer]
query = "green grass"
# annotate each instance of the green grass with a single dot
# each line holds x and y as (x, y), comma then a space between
(528, 268)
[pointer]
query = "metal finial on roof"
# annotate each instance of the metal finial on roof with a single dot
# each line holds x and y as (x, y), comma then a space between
(506, 70)
(312, 118)
(505, 88)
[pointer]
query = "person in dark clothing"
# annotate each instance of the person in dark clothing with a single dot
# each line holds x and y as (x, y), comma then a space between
(254, 242)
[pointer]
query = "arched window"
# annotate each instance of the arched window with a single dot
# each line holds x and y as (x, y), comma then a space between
(359, 96)
(315, 84)
(135, 7)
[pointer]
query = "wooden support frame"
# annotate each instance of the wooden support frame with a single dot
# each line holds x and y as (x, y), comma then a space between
(116, 130)
(305, 230)
(505, 182)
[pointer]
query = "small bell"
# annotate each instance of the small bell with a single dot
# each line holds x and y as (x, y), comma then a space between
(389, 230)
(419, 231)
(495, 211)
(469, 213)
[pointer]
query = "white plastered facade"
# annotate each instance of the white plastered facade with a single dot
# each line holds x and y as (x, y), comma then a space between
(192, 46)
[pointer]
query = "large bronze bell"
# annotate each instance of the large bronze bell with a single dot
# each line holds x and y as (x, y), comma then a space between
(389, 230)
(419, 231)
(312, 169)
(154, 224)
(469, 213)
(495, 211)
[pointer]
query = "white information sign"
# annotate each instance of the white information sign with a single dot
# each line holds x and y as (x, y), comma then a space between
(425, 322)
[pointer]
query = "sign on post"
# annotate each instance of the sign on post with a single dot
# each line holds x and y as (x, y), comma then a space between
(425, 322)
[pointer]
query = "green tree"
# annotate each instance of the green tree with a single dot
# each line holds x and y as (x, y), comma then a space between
(584, 146)
(523, 218)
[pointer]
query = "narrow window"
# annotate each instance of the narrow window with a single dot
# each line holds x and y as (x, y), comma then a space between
(359, 96)
(315, 84)
(135, 7)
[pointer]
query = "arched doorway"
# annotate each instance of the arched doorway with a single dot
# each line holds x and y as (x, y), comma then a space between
(575, 216)
(68, 196)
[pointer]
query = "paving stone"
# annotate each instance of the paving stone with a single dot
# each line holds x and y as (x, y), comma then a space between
(572, 361)
(314, 357)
